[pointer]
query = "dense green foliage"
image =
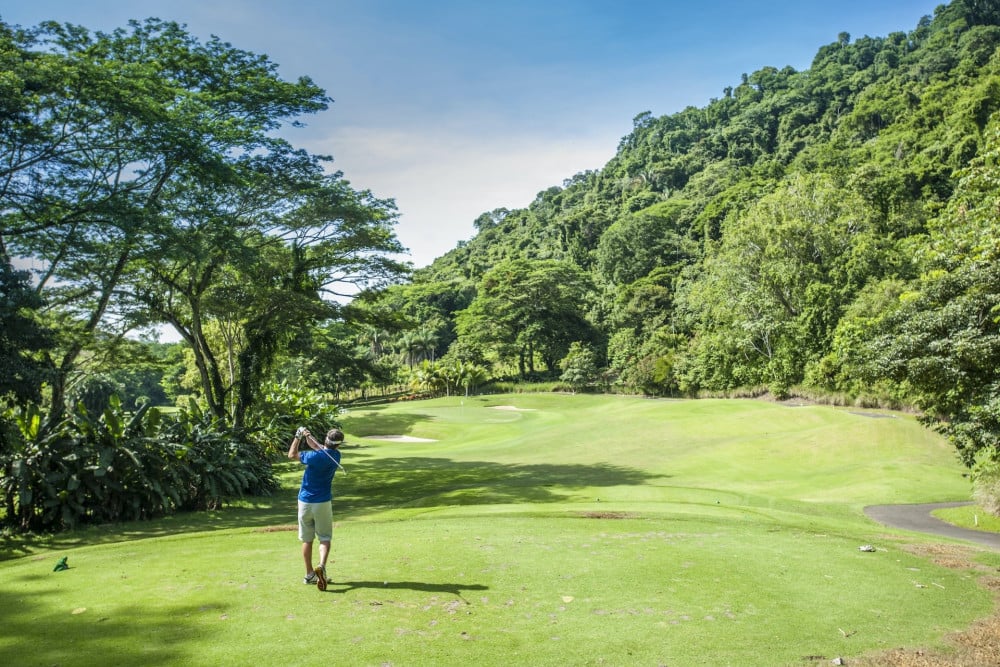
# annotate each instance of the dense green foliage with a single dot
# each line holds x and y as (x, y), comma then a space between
(120, 466)
(285, 407)
(831, 229)
(21, 374)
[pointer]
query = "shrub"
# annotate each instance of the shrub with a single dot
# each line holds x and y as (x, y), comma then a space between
(579, 366)
(122, 466)
(95, 392)
(285, 407)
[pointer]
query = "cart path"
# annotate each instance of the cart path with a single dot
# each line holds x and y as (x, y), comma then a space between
(918, 518)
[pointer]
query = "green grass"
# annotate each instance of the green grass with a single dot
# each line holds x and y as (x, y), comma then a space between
(578, 530)
(972, 517)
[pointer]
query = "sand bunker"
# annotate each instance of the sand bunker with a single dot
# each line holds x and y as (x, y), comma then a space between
(398, 438)
(512, 407)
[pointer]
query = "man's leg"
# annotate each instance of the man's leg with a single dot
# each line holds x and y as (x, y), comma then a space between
(307, 556)
(324, 551)
(307, 533)
(324, 533)
(324, 530)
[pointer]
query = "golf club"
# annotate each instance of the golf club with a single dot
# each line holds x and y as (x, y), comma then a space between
(334, 460)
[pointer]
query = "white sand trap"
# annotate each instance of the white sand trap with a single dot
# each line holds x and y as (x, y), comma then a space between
(398, 438)
(513, 408)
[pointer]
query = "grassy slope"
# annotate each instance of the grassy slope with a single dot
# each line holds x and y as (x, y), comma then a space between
(973, 517)
(579, 530)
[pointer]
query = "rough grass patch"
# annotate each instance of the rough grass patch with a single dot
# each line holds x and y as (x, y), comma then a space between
(952, 557)
(277, 529)
(975, 647)
(609, 515)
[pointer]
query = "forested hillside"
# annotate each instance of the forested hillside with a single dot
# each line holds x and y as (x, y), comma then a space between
(832, 229)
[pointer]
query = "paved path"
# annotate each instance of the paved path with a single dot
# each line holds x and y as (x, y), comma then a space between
(918, 518)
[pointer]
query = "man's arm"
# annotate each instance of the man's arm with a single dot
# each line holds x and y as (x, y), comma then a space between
(312, 442)
(293, 449)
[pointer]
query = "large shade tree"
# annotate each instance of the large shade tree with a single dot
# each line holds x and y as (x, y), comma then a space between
(767, 300)
(144, 172)
(268, 267)
(526, 309)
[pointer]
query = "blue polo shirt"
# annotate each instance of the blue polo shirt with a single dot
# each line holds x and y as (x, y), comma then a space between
(318, 477)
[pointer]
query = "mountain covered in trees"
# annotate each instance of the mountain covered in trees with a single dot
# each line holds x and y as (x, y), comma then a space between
(831, 230)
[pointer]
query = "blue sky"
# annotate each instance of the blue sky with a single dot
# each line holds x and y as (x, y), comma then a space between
(455, 108)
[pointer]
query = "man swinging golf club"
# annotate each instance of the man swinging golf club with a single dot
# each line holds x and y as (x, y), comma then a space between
(315, 498)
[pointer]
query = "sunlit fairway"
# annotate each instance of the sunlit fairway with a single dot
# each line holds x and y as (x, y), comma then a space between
(531, 530)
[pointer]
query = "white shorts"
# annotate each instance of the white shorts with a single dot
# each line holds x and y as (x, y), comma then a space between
(315, 520)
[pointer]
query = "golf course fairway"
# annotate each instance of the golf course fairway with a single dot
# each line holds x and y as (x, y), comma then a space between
(534, 529)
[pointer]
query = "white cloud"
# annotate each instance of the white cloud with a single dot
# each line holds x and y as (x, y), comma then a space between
(443, 178)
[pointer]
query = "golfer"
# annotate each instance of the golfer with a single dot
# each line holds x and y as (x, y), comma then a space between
(315, 498)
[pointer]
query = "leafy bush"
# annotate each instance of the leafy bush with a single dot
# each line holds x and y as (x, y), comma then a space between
(121, 466)
(579, 366)
(285, 407)
(219, 464)
(95, 392)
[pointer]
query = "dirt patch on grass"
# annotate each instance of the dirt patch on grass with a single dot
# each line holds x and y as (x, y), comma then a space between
(951, 556)
(608, 515)
(276, 529)
(976, 647)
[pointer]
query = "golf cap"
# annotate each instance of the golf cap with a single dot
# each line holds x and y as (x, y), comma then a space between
(334, 437)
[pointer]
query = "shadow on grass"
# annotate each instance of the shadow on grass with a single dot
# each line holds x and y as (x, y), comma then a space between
(386, 483)
(367, 424)
(371, 485)
(451, 589)
(248, 512)
(37, 635)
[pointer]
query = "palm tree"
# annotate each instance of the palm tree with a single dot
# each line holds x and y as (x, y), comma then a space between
(453, 374)
(375, 340)
(426, 341)
(427, 377)
(409, 346)
(473, 377)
